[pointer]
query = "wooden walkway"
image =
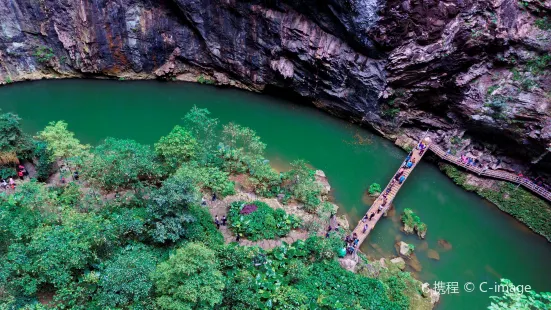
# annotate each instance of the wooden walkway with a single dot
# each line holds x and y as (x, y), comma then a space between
(390, 196)
(496, 174)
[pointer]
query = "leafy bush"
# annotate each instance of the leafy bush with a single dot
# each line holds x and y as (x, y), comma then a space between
(189, 279)
(44, 160)
(265, 180)
(211, 178)
(262, 223)
(514, 298)
(374, 188)
(177, 147)
(168, 209)
(303, 186)
(203, 80)
(12, 138)
(44, 54)
(117, 164)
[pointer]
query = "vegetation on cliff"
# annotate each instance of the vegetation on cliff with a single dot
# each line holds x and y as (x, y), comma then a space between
(130, 232)
(510, 198)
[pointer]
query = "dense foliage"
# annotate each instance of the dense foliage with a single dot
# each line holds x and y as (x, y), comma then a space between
(177, 147)
(12, 138)
(510, 198)
(117, 164)
(60, 141)
(132, 234)
(301, 184)
(514, 298)
(374, 188)
(262, 222)
(412, 221)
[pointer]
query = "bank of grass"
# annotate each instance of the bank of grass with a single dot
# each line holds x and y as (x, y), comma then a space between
(517, 201)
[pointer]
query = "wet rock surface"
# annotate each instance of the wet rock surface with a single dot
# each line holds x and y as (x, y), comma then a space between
(474, 69)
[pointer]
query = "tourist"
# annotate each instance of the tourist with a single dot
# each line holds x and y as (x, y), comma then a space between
(371, 216)
(407, 158)
(203, 201)
(421, 152)
(356, 242)
(217, 222)
(347, 239)
(213, 196)
(20, 174)
(365, 228)
(237, 237)
(12, 183)
(224, 219)
(354, 236)
(399, 174)
(3, 184)
(75, 176)
(364, 219)
(413, 161)
(338, 226)
(409, 164)
(380, 209)
(402, 179)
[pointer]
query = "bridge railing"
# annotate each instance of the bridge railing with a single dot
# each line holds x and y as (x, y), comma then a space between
(502, 175)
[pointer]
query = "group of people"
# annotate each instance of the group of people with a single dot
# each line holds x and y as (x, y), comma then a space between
(22, 172)
(219, 222)
(470, 161)
(352, 243)
(421, 147)
(10, 183)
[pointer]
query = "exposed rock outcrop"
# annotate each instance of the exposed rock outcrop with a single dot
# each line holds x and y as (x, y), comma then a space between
(474, 66)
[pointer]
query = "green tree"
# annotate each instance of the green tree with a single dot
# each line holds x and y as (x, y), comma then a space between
(177, 147)
(211, 178)
(303, 185)
(513, 298)
(203, 128)
(241, 147)
(125, 279)
(168, 209)
(12, 138)
(117, 164)
(55, 254)
(45, 158)
(189, 279)
(60, 141)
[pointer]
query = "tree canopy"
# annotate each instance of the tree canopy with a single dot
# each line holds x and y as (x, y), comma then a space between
(60, 141)
(189, 279)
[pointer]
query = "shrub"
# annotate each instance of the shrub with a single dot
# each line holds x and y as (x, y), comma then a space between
(43, 54)
(410, 219)
(117, 164)
(44, 160)
(211, 178)
(374, 188)
(303, 186)
(262, 223)
(177, 147)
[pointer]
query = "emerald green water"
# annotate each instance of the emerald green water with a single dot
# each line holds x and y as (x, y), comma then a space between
(487, 244)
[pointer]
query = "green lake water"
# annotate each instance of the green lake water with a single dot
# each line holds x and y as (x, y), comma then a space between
(486, 243)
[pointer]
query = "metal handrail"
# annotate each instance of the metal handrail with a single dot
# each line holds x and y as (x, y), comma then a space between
(502, 175)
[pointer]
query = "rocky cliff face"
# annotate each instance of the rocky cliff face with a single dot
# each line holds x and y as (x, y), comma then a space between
(454, 66)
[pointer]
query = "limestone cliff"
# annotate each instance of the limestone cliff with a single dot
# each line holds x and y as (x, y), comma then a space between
(452, 66)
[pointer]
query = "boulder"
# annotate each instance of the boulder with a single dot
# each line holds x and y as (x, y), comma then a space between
(399, 262)
(321, 179)
(405, 249)
(432, 254)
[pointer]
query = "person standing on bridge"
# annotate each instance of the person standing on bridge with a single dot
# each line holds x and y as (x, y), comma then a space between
(364, 219)
(371, 216)
(366, 227)
(402, 179)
